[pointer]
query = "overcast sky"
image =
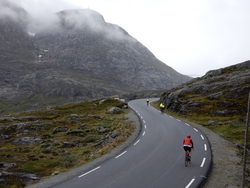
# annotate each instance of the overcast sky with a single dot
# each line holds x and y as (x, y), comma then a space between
(191, 36)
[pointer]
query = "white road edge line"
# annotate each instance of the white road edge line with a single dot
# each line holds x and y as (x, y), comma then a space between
(143, 121)
(195, 129)
(136, 142)
(145, 126)
(205, 147)
(202, 137)
(190, 183)
(203, 162)
(187, 124)
(178, 120)
(120, 154)
(89, 172)
(171, 116)
(143, 133)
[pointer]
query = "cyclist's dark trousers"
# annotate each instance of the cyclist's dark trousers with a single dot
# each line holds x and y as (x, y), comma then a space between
(186, 148)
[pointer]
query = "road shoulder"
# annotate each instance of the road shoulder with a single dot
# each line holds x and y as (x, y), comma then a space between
(226, 163)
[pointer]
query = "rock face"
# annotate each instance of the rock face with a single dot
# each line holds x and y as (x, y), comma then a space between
(222, 92)
(76, 56)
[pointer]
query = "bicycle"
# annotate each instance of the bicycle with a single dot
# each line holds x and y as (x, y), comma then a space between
(162, 110)
(187, 159)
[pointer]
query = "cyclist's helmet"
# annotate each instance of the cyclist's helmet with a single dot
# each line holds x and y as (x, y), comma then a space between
(188, 136)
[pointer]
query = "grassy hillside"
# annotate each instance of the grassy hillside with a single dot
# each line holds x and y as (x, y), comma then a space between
(47, 142)
(217, 100)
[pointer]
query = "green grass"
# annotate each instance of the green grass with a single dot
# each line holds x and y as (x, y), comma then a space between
(231, 127)
(31, 158)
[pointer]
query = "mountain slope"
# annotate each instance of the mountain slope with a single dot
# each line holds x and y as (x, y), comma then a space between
(75, 56)
(102, 51)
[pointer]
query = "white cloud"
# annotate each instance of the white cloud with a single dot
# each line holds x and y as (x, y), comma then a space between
(192, 36)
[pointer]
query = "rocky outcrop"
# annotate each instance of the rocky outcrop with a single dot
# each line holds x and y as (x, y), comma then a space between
(221, 92)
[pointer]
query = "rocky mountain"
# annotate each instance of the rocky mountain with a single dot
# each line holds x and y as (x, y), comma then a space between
(74, 55)
(220, 94)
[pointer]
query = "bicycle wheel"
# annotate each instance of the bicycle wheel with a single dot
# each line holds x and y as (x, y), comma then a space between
(186, 161)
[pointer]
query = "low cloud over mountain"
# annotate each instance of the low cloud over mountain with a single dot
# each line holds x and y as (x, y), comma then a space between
(75, 55)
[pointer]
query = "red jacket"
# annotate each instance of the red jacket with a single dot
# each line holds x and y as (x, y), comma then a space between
(188, 142)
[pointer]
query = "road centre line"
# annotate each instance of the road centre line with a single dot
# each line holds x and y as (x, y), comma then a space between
(190, 183)
(120, 154)
(89, 172)
(205, 147)
(203, 162)
(136, 142)
(202, 137)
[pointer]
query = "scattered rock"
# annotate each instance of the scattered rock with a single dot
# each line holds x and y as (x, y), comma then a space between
(67, 145)
(81, 125)
(26, 140)
(55, 173)
(115, 110)
(94, 116)
(5, 137)
(73, 116)
(74, 132)
(102, 101)
(102, 130)
(45, 145)
(47, 150)
(211, 122)
(114, 134)
(64, 153)
(6, 165)
(60, 129)
(56, 144)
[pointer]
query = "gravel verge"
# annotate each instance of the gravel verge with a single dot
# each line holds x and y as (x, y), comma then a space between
(226, 163)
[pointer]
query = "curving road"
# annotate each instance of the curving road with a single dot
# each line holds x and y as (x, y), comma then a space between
(154, 160)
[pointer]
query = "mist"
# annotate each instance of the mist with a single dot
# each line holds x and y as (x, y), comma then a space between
(192, 37)
(49, 16)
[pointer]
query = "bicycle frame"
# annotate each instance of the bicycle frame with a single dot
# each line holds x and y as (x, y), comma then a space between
(187, 159)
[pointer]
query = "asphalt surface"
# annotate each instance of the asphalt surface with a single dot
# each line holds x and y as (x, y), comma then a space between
(154, 158)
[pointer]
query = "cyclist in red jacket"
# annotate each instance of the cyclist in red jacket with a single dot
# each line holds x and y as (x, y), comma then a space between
(187, 145)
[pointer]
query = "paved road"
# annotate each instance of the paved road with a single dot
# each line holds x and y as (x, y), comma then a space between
(154, 160)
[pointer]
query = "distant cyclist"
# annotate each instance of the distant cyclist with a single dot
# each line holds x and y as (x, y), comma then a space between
(188, 144)
(147, 100)
(162, 106)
